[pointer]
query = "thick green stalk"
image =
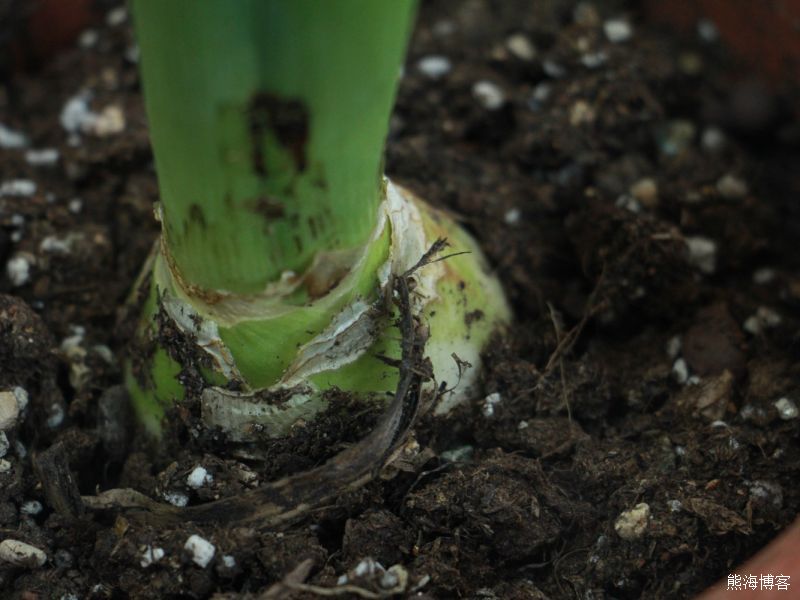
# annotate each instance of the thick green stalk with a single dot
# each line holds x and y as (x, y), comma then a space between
(267, 120)
(280, 237)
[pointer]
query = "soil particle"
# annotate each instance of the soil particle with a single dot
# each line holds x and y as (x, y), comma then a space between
(714, 343)
(379, 534)
(9, 410)
(617, 30)
(115, 421)
(25, 341)
(52, 468)
(281, 552)
(506, 503)
(540, 437)
(711, 397)
(631, 524)
(21, 554)
(488, 94)
(717, 518)
(787, 409)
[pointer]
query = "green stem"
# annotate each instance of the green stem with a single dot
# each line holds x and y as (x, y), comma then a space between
(279, 236)
(267, 120)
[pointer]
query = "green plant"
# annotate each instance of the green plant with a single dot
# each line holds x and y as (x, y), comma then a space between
(280, 237)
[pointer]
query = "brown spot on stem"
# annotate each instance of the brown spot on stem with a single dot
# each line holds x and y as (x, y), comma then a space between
(471, 317)
(290, 188)
(324, 278)
(287, 119)
(196, 215)
(268, 207)
(319, 180)
(202, 294)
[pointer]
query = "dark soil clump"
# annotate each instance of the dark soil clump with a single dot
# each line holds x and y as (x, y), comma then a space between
(635, 436)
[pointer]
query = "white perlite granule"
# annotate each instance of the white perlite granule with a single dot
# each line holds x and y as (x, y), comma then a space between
(150, 556)
(201, 549)
(434, 66)
(631, 524)
(198, 478)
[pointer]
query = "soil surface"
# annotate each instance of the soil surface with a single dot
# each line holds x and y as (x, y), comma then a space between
(637, 434)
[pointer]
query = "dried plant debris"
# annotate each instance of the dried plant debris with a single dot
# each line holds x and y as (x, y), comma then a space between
(286, 500)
